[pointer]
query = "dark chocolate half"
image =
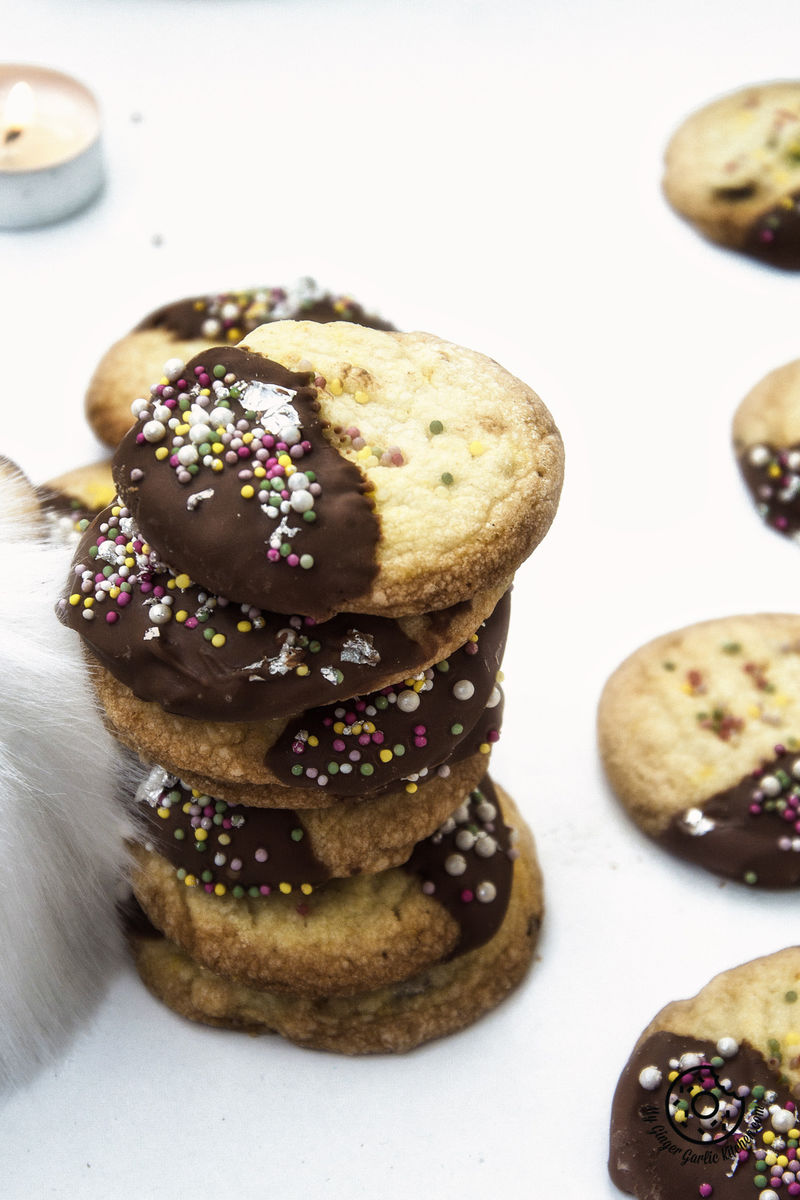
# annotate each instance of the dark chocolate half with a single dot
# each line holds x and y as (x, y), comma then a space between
(774, 238)
(689, 1119)
(772, 477)
(229, 475)
(749, 832)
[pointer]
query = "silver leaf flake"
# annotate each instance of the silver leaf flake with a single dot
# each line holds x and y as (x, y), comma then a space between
(281, 531)
(359, 648)
(151, 787)
(331, 674)
(696, 823)
(273, 405)
(195, 498)
(152, 632)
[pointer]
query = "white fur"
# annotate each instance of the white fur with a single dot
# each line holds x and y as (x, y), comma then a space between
(61, 820)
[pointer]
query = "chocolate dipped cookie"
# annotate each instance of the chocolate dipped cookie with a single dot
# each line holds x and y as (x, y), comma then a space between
(250, 473)
(707, 1104)
(185, 327)
(766, 440)
(346, 936)
(732, 170)
(699, 734)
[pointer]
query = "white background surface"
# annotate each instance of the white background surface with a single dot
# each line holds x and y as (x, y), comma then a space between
(489, 172)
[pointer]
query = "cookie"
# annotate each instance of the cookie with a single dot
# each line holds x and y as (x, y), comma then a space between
(766, 440)
(346, 838)
(200, 656)
(392, 1019)
(185, 327)
(707, 1104)
(732, 170)
(448, 481)
(349, 935)
(699, 734)
(359, 747)
(77, 496)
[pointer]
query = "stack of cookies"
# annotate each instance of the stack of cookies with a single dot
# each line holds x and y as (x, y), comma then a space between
(295, 613)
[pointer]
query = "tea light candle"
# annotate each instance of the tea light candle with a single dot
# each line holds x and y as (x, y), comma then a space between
(51, 162)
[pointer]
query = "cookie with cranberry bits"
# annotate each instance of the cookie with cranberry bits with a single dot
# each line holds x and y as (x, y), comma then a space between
(360, 747)
(699, 733)
(707, 1104)
(392, 1019)
(289, 930)
(184, 328)
(732, 170)
(766, 439)
(263, 489)
(201, 656)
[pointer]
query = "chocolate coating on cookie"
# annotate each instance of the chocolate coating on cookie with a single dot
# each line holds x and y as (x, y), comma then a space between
(750, 832)
(227, 847)
(228, 473)
(401, 731)
(694, 1117)
(203, 657)
(232, 315)
(772, 476)
(467, 865)
(774, 238)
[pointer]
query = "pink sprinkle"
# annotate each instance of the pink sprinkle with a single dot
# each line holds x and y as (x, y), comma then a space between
(191, 622)
(260, 855)
(471, 648)
(174, 461)
(123, 598)
(243, 452)
(203, 380)
(428, 889)
(298, 747)
(781, 522)
(139, 438)
(494, 735)
(378, 738)
(755, 809)
(265, 889)
(767, 235)
(292, 560)
(467, 896)
(339, 745)
(273, 555)
(706, 1189)
(306, 446)
(208, 887)
(364, 739)
(111, 617)
(145, 586)
(420, 729)
(419, 742)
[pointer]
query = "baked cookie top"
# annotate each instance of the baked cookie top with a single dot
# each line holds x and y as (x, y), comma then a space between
(699, 733)
(707, 1104)
(766, 440)
(265, 490)
(732, 170)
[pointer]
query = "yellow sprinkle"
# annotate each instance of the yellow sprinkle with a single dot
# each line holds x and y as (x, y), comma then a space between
(306, 889)
(338, 727)
(190, 880)
(200, 835)
(181, 616)
(218, 640)
(217, 464)
(244, 626)
(284, 460)
(356, 729)
(362, 398)
(248, 491)
(183, 581)
(259, 472)
(171, 584)
(313, 741)
(205, 392)
(88, 602)
(386, 756)
(782, 1160)
(419, 684)
(234, 335)
(484, 747)
(672, 1075)
(369, 726)
(335, 386)
(116, 510)
(196, 792)
(247, 438)
(786, 202)
(163, 813)
(185, 807)
(781, 699)
(114, 592)
(224, 839)
(500, 676)
(768, 1137)
(164, 381)
(476, 449)
(161, 453)
(219, 889)
(218, 447)
(130, 562)
(75, 599)
(473, 637)
(302, 670)
(285, 888)
(182, 430)
(411, 788)
(794, 1133)
(365, 452)
(774, 471)
(696, 1090)
(754, 711)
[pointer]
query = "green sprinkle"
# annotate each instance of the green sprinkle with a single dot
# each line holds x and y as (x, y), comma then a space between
(285, 550)
(456, 729)
(253, 892)
(731, 647)
(333, 768)
(178, 834)
(443, 666)
(206, 877)
(306, 561)
(311, 476)
(446, 478)
(366, 769)
(758, 1091)
(436, 427)
(790, 997)
(310, 516)
(760, 1181)
(181, 873)
(381, 702)
(219, 371)
(668, 666)
(716, 1061)
(750, 877)
(297, 835)
(314, 647)
(209, 633)
(237, 892)
(399, 750)
(184, 405)
(297, 769)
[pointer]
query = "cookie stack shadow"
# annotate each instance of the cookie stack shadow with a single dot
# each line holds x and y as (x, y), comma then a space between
(321, 851)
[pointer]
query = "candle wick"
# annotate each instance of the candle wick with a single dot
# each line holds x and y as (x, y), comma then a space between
(11, 135)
